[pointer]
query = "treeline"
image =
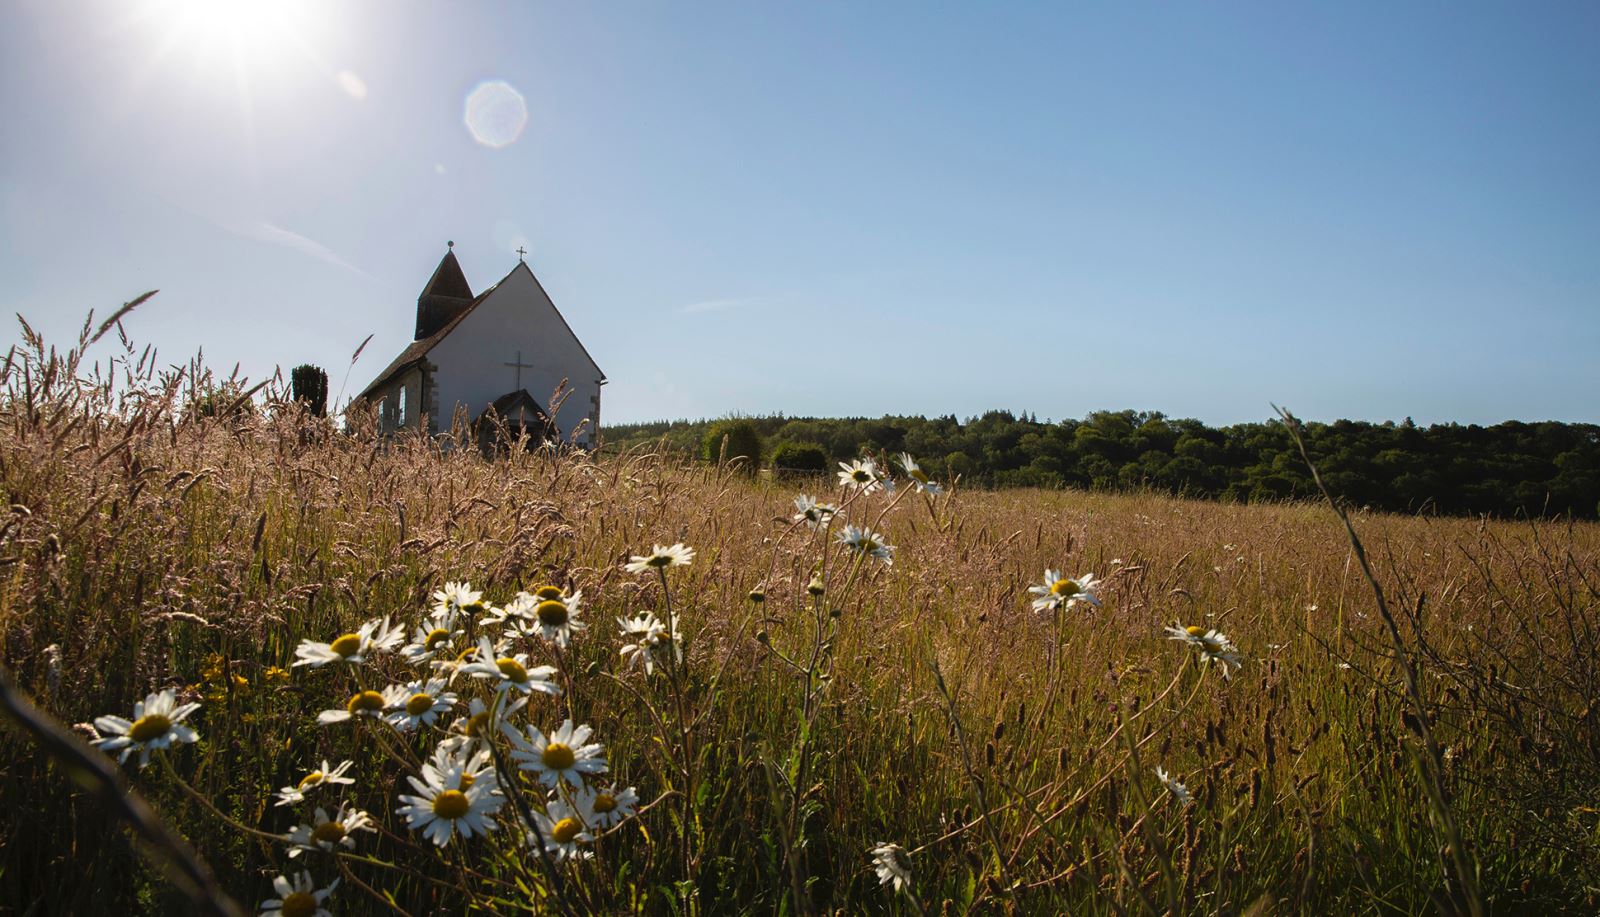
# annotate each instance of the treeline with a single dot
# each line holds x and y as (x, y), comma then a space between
(1509, 469)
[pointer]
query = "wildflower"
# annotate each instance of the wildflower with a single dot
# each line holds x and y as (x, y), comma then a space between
(676, 556)
(510, 673)
(325, 833)
(290, 795)
(1214, 646)
(861, 474)
(893, 866)
(458, 597)
(450, 804)
(1178, 790)
(434, 636)
(555, 619)
(157, 724)
(417, 704)
(561, 755)
(919, 477)
(299, 897)
(517, 610)
(375, 635)
(651, 642)
(275, 675)
(478, 725)
(1060, 592)
(561, 826)
(477, 767)
(603, 808)
(868, 543)
(813, 514)
(362, 703)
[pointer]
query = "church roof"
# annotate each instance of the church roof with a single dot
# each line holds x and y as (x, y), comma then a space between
(416, 350)
(448, 280)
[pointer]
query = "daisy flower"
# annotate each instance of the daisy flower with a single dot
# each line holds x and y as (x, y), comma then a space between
(555, 619)
(373, 636)
(290, 795)
(1058, 591)
(561, 755)
(813, 514)
(1213, 645)
(676, 556)
(893, 866)
(477, 727)
(435, 636)
(417, 704)
(298, 897)
(510, 673)
(448, 804)
(867, 542)
(362, 703)
(519, 609)
(457, 597)
(603, 808)
(650, 641)
(1178, 790)
(157, 724)
(476, 767)
(918, 476)
(561, 826)
(861, 474)
(325, 833)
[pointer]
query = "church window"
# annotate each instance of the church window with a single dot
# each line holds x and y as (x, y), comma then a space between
(400, 415)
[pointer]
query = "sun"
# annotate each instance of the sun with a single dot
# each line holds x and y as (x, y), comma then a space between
(247, 36)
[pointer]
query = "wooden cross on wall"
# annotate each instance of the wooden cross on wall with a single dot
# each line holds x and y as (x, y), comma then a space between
(519, 366)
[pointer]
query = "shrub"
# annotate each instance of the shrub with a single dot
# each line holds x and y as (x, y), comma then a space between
(743, 442)
(800, 458)
(308, 385)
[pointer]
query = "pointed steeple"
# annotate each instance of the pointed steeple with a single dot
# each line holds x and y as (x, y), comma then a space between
(445, 296)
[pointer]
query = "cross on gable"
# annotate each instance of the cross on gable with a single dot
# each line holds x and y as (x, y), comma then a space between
(521, 253)
(519, 366)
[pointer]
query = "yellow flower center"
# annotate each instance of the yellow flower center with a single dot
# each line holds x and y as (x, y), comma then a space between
(551, 613)
(299, 904)
(558, 757)
(920, 475)
(467, 780)
(1195, 630)
(149, 728)
(311, 779)
(604, 802)
(346, 646)
(436, 637)
(565, 830)
(451, 804)
(1065, 587)
(861, 476)
(365, 702)
(512, 669)
(658, 560)
(476, 723)
(329, 832)
(419, 704)
(545, 593)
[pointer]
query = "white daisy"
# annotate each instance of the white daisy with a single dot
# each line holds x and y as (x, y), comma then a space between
(449, 803)
(651, 644)
(555, 619)
(813, 514)
(457, 597)
(1058, 591)
(362, 703)
(561, 825)
(867, 542)
(1213, 645)
(676, 556)
(299, 897)
(603, 808)
(561, 755)
(325, 832)
(1178, 790)
(157, 724)
(893, 866)
(417, 704)
(434, 637)
(373, 636)
(918, 476)
(510, 672)
(519, 609)
(327, 775)
(477, 727)
(861, 474)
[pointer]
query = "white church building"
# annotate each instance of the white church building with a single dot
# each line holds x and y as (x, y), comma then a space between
(502, 353)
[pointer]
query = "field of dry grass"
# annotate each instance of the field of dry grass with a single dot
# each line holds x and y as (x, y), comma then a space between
(1012, 754)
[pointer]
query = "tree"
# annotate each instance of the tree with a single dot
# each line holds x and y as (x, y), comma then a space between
(727, 440)
(308, 385)
(799, 458)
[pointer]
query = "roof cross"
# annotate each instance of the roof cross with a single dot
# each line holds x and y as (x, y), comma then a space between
(521, 253)
(519, 366)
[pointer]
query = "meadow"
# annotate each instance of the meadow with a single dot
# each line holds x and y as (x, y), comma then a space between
(783, 704)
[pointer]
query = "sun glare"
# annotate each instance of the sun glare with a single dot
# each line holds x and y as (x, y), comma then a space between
(254, 35)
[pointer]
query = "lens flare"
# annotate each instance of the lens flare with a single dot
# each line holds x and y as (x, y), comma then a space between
(495, 114)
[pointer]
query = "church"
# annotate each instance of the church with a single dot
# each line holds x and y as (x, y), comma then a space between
(497, 355)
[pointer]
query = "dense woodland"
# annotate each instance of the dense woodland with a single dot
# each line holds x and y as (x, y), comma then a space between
(1510, 469)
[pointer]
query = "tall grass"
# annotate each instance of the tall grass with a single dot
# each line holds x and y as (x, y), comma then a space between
(152, 544)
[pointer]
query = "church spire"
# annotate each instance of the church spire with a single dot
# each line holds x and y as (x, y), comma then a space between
(445, 296)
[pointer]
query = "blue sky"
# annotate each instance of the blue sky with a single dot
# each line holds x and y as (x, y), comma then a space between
(1355, 210)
